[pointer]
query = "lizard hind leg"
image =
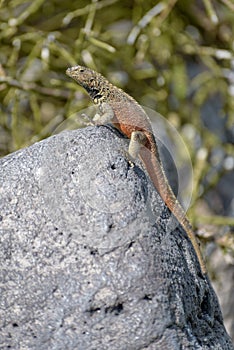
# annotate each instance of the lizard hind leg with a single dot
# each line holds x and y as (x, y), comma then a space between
(137, 141)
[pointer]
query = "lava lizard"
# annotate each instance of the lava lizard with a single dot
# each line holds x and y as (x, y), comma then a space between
(125, 114)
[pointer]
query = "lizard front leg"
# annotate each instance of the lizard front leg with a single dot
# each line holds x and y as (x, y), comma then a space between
(106, 116)
(87, 120)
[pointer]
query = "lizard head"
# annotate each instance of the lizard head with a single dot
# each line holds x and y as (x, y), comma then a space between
(90, 80)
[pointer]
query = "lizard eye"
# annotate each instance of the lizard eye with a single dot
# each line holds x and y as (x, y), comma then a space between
(81, 70)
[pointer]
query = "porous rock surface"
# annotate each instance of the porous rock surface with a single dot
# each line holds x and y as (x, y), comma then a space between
(89, 255)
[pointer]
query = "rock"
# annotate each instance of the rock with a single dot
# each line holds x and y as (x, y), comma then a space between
(221, 269)
(90, 257)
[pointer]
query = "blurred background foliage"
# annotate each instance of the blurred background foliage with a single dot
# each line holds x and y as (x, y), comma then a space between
(175, 57)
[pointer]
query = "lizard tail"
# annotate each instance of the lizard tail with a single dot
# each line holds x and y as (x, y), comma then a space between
(156, 172)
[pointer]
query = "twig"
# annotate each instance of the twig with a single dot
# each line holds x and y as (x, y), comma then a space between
(144, 21)
(162, 8)
(85, 10)
(217, 220)
(90, 17)
(211, 11)
(33, 87)
(229, 4)
(28, 12)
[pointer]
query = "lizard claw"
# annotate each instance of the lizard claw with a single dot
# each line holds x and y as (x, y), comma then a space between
(129, 158)
(87, 120)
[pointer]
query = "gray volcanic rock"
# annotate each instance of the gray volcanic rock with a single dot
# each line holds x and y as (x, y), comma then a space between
(90, 257)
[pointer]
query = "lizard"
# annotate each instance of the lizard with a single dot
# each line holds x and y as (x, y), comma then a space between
(121, 110)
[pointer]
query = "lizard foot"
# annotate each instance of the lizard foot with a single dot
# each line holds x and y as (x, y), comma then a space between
(87, 120)
(129, 158)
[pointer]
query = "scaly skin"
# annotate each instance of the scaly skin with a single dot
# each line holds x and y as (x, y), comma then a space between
(129, 117)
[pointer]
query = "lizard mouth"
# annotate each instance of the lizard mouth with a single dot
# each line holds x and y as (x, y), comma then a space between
(68, 71)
